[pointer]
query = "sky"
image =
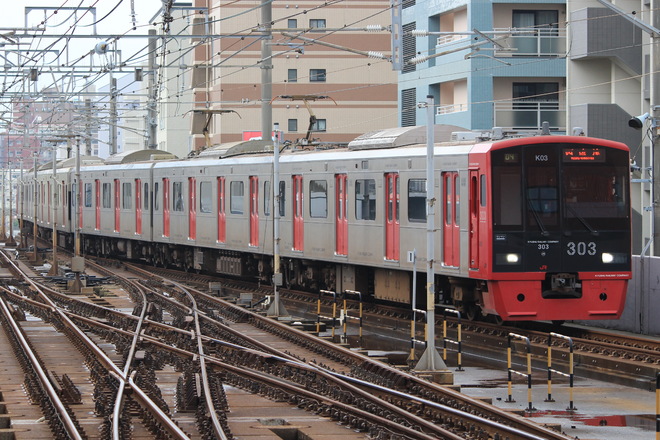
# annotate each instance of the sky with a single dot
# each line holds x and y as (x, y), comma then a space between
(112, 17)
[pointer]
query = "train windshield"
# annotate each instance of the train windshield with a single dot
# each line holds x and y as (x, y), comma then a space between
(548, 188)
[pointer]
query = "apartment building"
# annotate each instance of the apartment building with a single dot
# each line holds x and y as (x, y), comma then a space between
(486, 63)
(319, 69)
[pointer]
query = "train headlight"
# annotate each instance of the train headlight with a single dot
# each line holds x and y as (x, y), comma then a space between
(613, 257)
(508, 258)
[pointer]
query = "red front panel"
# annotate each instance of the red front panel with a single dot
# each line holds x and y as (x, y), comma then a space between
(254, 211)
(521, 300)
(222, 219)
(192, 208)
(166, 207)
(97, 192)
(138, 206)
(298, 221)
(341, 211)
(392, 217)
(117, 204)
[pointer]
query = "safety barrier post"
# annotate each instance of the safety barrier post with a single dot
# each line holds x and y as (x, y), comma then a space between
(334, 308)
(570, 375)
(511, 371)
(354, 292)
(657, 406)
(446, 340)
(318, 313)
(345, 318)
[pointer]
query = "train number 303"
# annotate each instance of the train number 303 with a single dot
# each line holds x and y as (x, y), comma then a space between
(581, 248)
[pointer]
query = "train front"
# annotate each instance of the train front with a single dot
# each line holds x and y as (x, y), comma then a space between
(561, 229)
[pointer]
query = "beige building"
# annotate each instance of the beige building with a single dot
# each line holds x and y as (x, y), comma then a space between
(360, 92)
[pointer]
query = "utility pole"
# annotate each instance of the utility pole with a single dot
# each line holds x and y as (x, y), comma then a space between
(113, 115)
(88, 127)
(10, 238)
(152, 116)
(266, 69)
(655, 109)
(54, 268)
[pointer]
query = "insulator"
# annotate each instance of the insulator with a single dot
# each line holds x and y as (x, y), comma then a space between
(419, 33)
(419, 59)
(374, 28)
(372, 54)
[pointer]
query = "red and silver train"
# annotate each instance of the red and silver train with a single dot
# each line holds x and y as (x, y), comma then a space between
(531, 228)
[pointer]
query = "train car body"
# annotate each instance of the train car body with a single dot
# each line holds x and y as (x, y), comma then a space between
(534, 228)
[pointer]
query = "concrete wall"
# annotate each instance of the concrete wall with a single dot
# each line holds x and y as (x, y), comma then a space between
(641, 311)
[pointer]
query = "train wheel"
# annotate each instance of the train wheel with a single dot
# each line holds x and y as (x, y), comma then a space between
(472, 312)
(558, 322)
(497, 319)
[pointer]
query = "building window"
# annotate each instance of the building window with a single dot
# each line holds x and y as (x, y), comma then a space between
(292, 75)
(318, 198)
(292, 23)
(408, 108)
(317, 23)
(236, 197)
(409, 47)
(292, 125)
(546, 92)
(535, 19)
(317, 75)
(318, 125)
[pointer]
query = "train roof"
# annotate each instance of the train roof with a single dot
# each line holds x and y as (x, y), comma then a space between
(139, 156)
(402, 136)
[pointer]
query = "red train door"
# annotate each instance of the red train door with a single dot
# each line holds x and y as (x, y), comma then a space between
(254, 211)
(117, 205)
(474, 219)
(166, 207)
(97, 190)
(192, 208)
(341, 209)
(450, 237)
(392, 216)
(222, 219)
(138, 206)
(298, 221)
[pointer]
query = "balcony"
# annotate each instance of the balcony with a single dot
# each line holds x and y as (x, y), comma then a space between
(532, 42)
(529, 115)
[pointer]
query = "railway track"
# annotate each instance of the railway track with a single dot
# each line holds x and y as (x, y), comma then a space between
(208, 340)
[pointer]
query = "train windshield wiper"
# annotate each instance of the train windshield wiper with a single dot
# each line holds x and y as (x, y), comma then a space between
(581, 219)
(539, 222)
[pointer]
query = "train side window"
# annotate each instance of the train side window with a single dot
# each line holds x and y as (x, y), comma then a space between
(282, 197)
(177, 196)
(318, 198)
(205, 197)
(127, 197)
(88, 195)
(365, 199)
(107, 192)
(267, 198)
(145, 196)
(236, 197)
(156, 207)
(417, 200)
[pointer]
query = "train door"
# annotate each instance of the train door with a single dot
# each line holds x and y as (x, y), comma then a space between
(392, 216)
(451, 230)
(138, 206)
(64, 204)
(79, 203)
(298, 221)
(166, 207)
(117, 205)
(97, 208)
(50, 200)
(474, 219)
(222, 219)
(341, 211)
(254, 211)
(192, 208)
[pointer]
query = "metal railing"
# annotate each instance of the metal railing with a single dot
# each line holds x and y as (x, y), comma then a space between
(451, 108)
(532, 41)
(530, 114)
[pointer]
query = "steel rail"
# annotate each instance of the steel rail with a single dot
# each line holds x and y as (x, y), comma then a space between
(56, 402)
(165, 421)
